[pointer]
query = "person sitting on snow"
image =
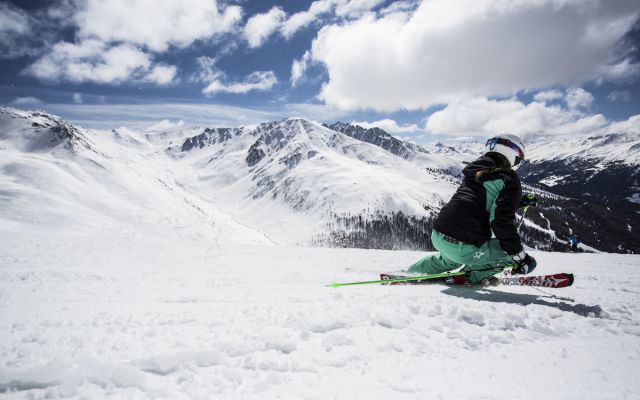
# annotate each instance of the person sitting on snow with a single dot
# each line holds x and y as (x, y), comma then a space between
(485, 202)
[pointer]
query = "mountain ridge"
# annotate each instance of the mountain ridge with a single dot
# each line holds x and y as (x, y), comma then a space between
(300, 182)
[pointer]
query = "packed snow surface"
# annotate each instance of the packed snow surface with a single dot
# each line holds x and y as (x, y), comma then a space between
(151, 313)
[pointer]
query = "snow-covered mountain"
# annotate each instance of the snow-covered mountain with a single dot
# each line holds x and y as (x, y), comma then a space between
(604, 168)
(303, 173)
(289, 181)
(436, 156)
(56, 176)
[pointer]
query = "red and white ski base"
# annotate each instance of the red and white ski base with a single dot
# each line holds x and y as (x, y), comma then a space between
(550, 281)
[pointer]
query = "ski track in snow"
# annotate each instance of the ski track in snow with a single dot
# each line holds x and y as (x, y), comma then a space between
(134, 315)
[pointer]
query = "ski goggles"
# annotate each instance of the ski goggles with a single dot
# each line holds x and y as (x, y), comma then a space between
(491, 143)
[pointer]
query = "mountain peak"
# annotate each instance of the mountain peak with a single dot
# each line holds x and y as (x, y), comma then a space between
(380, 138)
(40, 131)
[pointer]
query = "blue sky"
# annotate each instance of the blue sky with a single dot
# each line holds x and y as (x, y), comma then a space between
(419, 69)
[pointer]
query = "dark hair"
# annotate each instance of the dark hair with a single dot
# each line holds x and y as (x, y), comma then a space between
(502, 165)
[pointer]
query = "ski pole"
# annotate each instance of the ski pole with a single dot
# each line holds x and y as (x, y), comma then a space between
(411, 278)
(522, 218)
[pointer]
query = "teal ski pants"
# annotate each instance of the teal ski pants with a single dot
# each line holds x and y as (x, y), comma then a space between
(482, 262)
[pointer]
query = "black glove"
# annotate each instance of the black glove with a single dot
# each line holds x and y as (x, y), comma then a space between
(524, 264)
(528, 200)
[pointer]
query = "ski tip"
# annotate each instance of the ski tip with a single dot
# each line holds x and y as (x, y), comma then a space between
(570, 276)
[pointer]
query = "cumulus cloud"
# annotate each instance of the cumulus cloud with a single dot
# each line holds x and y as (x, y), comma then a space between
(25, 33)
(90, 61)
(578, 98)
(482, 116)
(390, 126)
(447, 51)
(77, 98)
(261, 26)
(13, 21)
(155, 24)
(162, 74)
(117, 41)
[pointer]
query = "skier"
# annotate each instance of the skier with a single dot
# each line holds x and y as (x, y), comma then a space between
(486, 201)
(574, 242)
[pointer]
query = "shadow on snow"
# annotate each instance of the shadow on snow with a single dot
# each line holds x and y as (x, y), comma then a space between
(496, 296)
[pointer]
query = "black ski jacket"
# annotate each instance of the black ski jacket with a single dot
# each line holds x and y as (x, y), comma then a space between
(484, 204)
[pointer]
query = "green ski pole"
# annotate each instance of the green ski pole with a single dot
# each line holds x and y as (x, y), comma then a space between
(522, 218)
(407, 279)
(410, 278)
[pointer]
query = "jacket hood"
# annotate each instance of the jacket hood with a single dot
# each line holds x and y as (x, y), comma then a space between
(486, 162)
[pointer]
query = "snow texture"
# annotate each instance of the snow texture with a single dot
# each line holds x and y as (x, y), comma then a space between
(150, 314)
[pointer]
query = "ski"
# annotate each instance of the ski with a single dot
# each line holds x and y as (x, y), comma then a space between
(549, 281)
(398, 279)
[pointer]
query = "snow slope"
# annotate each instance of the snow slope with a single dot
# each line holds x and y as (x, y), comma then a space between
(144, 316)
(56, 176)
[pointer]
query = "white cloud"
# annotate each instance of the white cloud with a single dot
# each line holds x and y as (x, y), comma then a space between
(548, 96)
(116, 41)
(356, 8)
(218, 82)
(25, 33)
(162, 74)
(155, 24)
(165, 125)
(258, 80)
(77, 98)
(298, 68)
(481, 116)
(13, 21)
(621, 71)
(27, 101)
(445, 51)
(619, 95)
(296, 22)
(261, 26)
(577, 98)
(390, 126)
(631, 125)
(302, 19)
(90, 61)
(344, 9)
(400, 6)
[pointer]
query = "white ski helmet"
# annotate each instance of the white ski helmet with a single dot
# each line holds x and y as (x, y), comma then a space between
(510, 146)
